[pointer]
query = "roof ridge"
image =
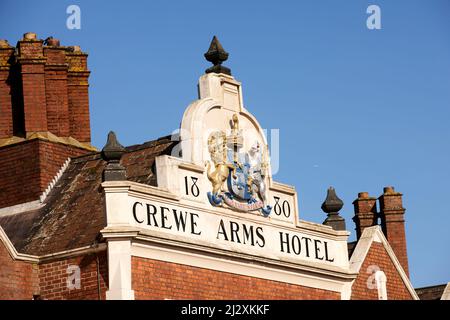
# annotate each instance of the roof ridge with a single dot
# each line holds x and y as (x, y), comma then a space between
(432, 286)
(150, 143)
(54, 180)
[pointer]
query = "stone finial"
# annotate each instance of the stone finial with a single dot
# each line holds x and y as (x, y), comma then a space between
(112, 152)
(331, 206)
(216, 55)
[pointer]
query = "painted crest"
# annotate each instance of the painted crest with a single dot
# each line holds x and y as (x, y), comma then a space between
(238, 177)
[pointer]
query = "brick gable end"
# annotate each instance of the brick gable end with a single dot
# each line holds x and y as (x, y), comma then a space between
(396, 288)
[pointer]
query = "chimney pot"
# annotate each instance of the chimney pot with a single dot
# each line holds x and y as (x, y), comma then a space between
(29, 36)
(52, 42)
(363, 195)
(388, 190)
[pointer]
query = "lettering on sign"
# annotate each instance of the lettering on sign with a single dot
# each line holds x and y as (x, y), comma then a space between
(233, 234)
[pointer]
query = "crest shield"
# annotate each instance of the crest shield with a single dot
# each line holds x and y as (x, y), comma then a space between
(238, 182)
(241, 172)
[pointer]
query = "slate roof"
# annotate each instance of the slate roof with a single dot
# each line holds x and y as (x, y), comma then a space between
(73, 214)
(431, 292)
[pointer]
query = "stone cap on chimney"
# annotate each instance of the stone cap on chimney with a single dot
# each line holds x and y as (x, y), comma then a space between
(390, 191)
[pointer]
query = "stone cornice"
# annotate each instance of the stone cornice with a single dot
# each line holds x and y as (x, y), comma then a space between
(46, 136)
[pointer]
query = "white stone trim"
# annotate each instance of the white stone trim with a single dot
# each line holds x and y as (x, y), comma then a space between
(119, 270)
(137, 189)
(13, 252)
(72, 253)
(446, 294)
(346, 293)
(323, 229)
(282, 187)
(191, 167)
(19, 208)
(381, 279)
(54, 180)
(48, 257)
(374, 234)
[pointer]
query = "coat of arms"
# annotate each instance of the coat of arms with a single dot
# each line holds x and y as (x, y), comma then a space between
(238, 177)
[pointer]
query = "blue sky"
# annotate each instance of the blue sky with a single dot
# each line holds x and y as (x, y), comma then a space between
(357, 109)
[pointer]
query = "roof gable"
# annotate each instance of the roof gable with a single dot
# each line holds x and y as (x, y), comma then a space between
(373, 239)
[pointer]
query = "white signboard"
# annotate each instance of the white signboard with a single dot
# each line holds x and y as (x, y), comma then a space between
(234, 233)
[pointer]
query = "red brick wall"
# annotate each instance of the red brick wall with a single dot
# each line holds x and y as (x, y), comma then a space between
(53, 278)
(18, 279)
(27, 168)
(396, 289)
(153, 279)
(21, 280)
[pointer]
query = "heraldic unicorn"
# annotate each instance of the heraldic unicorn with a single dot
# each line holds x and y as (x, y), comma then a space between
(237, 177)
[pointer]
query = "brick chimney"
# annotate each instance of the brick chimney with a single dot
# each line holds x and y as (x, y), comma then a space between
(77, 85)
(44, 114)
(32, 63)
(393, 223)
(365, 212)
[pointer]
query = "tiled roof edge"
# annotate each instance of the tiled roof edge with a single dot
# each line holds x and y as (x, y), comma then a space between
(150, 143)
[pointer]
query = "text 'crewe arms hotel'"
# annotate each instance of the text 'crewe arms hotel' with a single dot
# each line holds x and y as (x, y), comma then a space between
(233, 234)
